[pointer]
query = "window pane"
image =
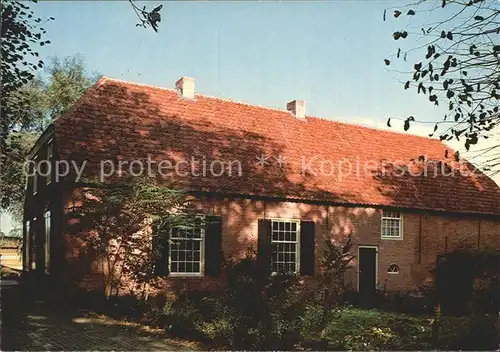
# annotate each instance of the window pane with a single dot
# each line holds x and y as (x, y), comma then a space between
(185, 251)
(284, 240)
(196, 267)
(391, 227)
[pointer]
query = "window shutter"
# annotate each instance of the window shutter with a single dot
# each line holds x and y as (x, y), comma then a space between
(307, 248)
(213, 245)
(264, 247)
(160, 250)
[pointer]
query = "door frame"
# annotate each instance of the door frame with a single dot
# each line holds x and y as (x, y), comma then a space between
(376, 264)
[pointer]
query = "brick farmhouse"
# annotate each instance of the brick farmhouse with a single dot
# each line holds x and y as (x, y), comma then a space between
(271, 177)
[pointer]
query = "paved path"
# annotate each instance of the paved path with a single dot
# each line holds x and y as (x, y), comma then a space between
(33, 326)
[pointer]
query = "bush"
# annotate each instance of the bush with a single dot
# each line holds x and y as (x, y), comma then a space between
(181, 318)
(272, 313)
(468, 280)
(252, 312)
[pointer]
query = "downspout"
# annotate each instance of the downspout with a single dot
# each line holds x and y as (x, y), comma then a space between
(420, 240)
(479, 234)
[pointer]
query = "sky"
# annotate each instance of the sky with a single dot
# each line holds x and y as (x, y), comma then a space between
(328, 53)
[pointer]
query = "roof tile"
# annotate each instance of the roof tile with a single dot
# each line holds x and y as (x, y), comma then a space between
(119, 120)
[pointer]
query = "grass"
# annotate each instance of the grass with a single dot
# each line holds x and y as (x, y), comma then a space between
(365, 329)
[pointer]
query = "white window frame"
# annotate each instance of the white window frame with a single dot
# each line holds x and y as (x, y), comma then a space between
(201, 273)
(34, 179)
(393, 272)
(48, 229)
(27, 257)
(33, 235)
(50, 153)
(297, 242)
(400, 219)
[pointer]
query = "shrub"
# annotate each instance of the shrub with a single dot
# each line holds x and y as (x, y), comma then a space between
(468, 279)
(181, 318)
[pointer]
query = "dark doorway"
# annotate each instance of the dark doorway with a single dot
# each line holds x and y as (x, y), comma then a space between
(367, 279)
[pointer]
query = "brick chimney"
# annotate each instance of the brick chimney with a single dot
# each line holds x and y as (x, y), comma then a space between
(297, 108)
(185, 87)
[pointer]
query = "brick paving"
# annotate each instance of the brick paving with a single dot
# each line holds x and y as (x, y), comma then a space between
(33, 326)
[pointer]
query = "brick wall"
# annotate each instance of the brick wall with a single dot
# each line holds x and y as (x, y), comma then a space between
(424, 236)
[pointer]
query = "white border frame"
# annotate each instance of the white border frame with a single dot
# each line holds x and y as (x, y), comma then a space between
(297, 257)
(202, 254)
(27, 246)
(401, 226)
(392, 272)
(376, 264)
(48, 233)
(50, 146)
(34, 178)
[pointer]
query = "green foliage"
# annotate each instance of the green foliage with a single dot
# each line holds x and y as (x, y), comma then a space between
(42, 101)
(335, 262)
(180, 317)
(11, 172)
(454, 62)
(117, 220)
(68, 81)
(252, 311)
(22, 33)
(468, 279)
(358, 329)
(147, 18)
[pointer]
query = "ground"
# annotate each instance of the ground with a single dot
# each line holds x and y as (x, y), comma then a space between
(29, 324)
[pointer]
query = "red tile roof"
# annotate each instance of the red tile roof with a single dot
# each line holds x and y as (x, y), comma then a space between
(126, 121)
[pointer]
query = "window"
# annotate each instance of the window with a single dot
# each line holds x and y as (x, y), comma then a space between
(285, 246)
(48, 178)
(393, 269)
(34, 179)
(47, 241)
(187, 250)
(27, 247)
(392, 225)
(32, 264)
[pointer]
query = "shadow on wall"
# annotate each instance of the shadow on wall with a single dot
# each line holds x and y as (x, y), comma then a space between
(117, 124)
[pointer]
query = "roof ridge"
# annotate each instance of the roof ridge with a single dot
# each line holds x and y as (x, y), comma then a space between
(199, 94)
(359, 124)
(328, 119)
